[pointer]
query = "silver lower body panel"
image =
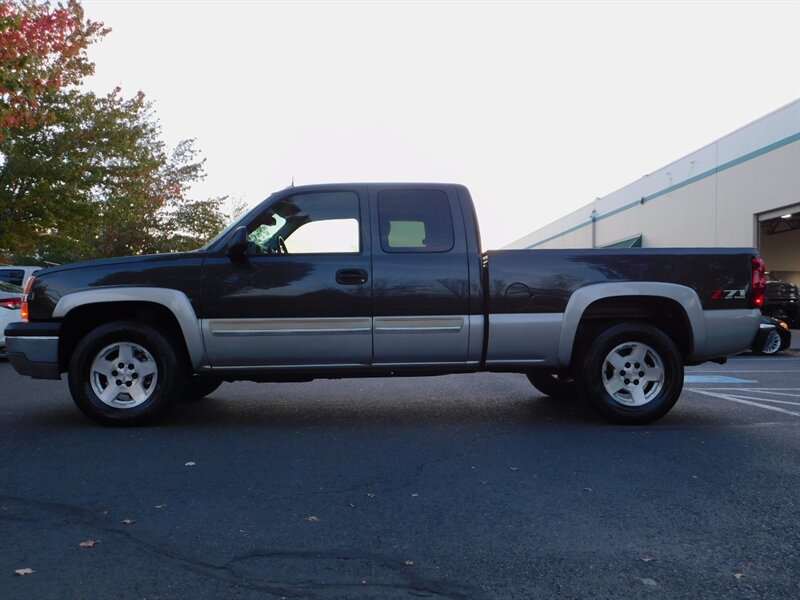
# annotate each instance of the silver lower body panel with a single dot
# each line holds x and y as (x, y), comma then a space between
(524, 339)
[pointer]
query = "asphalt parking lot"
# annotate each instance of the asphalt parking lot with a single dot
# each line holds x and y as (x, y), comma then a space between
(470, 486)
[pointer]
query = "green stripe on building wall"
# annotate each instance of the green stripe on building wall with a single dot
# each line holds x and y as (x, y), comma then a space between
(644, 199)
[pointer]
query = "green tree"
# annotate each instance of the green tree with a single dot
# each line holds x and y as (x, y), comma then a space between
(42, 49)
(86, 175)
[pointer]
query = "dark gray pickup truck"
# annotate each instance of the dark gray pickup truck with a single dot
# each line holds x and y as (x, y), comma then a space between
(357, 280)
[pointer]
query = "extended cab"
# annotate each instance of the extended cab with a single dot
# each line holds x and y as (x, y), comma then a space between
(354, 280)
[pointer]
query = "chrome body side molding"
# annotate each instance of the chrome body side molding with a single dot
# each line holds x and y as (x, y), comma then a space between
(419, 324)
(435, 339)
(288, 343)
(257, 327)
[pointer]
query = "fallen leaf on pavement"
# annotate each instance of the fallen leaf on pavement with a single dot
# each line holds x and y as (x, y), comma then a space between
(89, 543)
(191, 463)
(370, 494)
(128, 521)
(738, 575)
(160, 506)
(25, 571)
(647, 559)
(313, 519)
(408, 562)
(514, 468)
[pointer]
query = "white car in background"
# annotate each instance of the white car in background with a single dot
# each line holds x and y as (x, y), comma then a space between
(10, 305)
(16, 275)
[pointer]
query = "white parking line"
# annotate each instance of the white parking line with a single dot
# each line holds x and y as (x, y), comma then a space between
(763, 391)
(758, 390)
(738, 395)
(744, 400)
(771, 400)
(743, 371)
(739, 357)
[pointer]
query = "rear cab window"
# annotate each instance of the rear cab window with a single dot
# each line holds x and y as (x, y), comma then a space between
(415, 221)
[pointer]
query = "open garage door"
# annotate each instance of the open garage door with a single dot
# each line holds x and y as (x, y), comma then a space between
(779, 245)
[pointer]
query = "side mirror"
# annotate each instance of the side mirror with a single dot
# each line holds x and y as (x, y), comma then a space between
(237, 247)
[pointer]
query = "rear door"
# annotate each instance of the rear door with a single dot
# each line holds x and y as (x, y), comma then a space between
(420, 276)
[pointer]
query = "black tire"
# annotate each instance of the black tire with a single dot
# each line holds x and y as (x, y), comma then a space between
(550, 384)
(625, 392)
(152, 385)
(772, 344)
(197, 388)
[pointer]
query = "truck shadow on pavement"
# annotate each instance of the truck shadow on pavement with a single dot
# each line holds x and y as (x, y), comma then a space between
(224, 410)
(232, 405)
(508, 400)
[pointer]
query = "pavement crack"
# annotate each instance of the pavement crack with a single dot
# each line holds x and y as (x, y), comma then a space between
(236, 571)
(410, 578)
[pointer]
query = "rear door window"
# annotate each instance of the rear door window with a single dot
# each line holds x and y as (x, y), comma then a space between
(415, 221)
(13, 276)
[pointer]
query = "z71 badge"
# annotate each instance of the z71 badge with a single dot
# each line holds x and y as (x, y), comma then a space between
(728, 294)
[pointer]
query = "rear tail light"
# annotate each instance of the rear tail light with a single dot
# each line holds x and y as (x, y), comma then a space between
(11, 303)
(759, 282)
(25, 292)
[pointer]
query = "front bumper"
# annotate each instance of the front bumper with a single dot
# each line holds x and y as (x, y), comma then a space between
(33, 349)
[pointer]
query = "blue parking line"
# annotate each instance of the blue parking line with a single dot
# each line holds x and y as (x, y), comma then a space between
(715, 379)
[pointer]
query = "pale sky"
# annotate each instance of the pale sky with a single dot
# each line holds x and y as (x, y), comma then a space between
(537, 107)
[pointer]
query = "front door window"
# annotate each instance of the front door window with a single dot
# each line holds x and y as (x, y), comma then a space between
(316, 223)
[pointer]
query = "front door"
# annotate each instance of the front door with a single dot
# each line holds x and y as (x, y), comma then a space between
(302, 297)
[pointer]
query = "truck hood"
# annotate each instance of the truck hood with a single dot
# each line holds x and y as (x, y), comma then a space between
(117, 260)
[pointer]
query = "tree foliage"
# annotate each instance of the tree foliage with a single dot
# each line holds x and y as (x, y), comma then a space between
(42, 49)
(85, 175)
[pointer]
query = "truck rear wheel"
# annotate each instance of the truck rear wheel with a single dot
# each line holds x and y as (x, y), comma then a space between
(125, 373)
(632, 373)
(551, 384)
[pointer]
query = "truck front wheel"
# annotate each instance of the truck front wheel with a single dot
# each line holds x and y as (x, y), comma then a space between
(125, 373)
(632, 373)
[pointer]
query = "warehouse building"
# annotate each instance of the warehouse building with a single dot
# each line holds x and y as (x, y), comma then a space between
(742, 190)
